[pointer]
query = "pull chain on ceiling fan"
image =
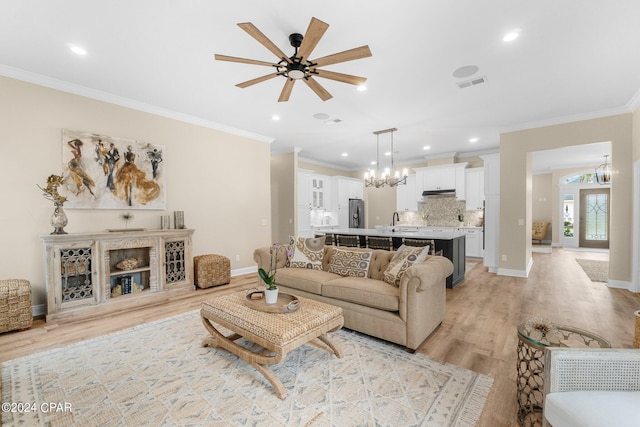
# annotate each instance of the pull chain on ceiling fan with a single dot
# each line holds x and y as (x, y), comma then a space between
(298, 66)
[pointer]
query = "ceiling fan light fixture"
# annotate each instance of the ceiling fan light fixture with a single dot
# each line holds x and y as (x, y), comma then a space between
(296, 70)
(295, 74)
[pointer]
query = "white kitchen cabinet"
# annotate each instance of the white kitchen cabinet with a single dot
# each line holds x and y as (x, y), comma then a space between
(443, 177)
(405, 195)
(320, 192)
(304, 186)
(492, 211)
(304, 221)
(474, 188)
(343, 189)
(304, 203)
(473, 242)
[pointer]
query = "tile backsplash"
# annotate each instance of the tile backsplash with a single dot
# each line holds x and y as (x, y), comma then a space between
(442, 211)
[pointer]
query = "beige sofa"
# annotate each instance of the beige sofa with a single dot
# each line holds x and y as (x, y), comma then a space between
(405, 315)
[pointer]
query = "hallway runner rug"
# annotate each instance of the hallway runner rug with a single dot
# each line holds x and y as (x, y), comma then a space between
(596, 270)
(158, 374)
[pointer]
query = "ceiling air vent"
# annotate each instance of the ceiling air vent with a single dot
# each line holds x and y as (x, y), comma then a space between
(333, 121)
(472, 82)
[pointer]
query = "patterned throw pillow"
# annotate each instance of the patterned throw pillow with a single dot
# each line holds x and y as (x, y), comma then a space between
(307, 252)
(404, 257)
(350, 263)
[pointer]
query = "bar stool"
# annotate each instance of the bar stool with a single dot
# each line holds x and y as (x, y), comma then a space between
(347, 240)
(385, 243)
(422, 243)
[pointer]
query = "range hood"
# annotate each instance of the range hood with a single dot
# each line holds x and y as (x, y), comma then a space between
(451, 192)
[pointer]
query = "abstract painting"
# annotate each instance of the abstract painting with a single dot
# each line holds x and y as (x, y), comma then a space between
(105, 172)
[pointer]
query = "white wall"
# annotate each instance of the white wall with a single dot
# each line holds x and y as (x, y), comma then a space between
(220, 180)
(515, 193)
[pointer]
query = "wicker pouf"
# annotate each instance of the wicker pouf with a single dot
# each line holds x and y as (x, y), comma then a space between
(211, 270)
(15, 305)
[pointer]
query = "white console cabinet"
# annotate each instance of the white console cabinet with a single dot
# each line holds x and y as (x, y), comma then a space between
(85, 277)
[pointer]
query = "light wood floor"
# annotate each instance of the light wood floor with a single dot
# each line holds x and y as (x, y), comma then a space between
(479, 331)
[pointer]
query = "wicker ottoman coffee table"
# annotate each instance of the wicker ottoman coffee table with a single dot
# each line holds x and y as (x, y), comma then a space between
(277, 333)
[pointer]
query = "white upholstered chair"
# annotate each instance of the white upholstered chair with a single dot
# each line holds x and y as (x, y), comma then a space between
(591, 387)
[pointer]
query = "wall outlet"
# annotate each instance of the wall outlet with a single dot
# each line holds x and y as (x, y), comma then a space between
(264, 222)
(290, 220)
(520, 221)
(504, 257)
(237, 257)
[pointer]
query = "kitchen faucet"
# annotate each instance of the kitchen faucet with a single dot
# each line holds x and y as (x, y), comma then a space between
(396, 217)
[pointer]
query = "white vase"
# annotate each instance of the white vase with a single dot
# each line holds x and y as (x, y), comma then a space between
(271, 295)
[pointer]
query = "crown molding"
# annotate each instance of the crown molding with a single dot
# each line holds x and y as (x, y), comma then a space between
(477, 153)
(569, 119)
(634, 102)
(325, 164)
(86, 92)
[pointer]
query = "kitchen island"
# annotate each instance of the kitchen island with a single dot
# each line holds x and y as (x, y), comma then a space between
(452, 244)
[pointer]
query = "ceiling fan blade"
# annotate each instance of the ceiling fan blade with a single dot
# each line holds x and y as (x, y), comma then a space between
(257, 80)
(347, 55)
(344, 78)
(244, 60)
(286, 90)
(314, 33)
(263, 40)
(318, 89)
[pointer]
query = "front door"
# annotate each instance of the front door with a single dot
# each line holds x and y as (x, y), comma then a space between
(594, 218)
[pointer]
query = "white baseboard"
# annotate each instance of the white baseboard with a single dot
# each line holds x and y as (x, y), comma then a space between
(619, 284)
(38, 310)
(513, 273)
(516, 273)
(246, 270)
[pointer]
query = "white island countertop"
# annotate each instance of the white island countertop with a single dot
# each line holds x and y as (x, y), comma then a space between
(397, 232)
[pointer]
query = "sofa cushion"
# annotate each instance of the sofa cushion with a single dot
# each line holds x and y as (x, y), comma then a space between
(404, 257)
(363, 291)
(593, 408)
(350, 263)
(307, 280)
(306, 252)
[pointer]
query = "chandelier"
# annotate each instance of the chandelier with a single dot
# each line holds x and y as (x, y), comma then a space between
(603, 172)
(382, 176)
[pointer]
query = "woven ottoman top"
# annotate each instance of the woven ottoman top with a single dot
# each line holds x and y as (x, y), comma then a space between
(276, 328)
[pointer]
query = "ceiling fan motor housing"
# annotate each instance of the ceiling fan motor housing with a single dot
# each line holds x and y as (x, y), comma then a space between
(296, 40)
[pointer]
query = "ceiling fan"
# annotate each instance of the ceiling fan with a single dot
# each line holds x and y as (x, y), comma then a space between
(299, 66)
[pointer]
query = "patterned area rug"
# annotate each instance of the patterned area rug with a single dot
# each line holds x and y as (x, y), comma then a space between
(597, 271)
(158, 374)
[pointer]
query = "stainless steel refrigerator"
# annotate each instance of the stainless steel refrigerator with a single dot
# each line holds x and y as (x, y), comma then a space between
(356, 213)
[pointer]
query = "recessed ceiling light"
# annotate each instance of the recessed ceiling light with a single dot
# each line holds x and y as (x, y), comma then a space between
(466, 71)
(388, 153)
(77, 50)
(426, 147)
(472, 140)
(509, 37)
(361, 88)
(373, 162)
(275, 117)
(321, 116)
(345, 154)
